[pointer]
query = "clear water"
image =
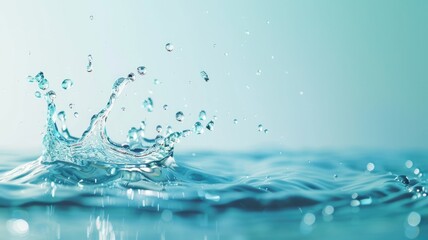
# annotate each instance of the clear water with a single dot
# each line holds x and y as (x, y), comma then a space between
(91, 187)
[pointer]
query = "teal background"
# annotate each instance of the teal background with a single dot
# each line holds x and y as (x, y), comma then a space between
(334, 74)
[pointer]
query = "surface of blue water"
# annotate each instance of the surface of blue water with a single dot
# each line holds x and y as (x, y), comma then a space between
(213, 195)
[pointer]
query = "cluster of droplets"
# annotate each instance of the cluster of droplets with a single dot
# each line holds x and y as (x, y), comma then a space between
(413, 185)
(43, 85)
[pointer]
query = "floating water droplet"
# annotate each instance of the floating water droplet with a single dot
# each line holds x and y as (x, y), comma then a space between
(226, 54)
(198, 128)
(409, 164)
(123, 109)
(179, 116)
(39, 77)
(66, 84)
(142, 70)
(247, 32)
(91, 17)
(210, 125)
(260, 127)
(148, 104)
(89, 67)
(50, 96)
(235, 121)
(76, 114)
(169, 47)
(259, 72)
(215, 117)
(159, 128)
(202, 115)
(266, 131)
(156, 81)
(38, 94)
(204, 75)
(165, 107)
(131, 76)
(71, 105)
(44, 84)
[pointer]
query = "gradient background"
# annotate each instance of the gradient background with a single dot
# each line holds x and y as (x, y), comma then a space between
(334, 74)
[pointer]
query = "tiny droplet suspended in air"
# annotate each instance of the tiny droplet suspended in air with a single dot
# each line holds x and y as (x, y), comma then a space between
(66, 84)
(179, 116)
(169, 47)
(202, 115)
(142, 70)
(204, 75)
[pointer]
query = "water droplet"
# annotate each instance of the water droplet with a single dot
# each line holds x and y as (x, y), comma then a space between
(169, 47)
(44, 84)
(50, 96)
(204, 75)
(148, 104)
(76, 114)
(38, 94)
(198, 128)
(131, 76)
(259, 72)
(91, 17)
(403, 179)
(370, 167)
(247, 32)
(226, 54)
(71, 105)
(260, 127)
(123, 109)
(210, 125)
(89, 67)
(66, 84)
(235, 121)
(202, 115)
(158, 128)
(39, 77)
(179, 116)
(165, 107)
(266, 131)
(215, 117)
(301, 92)
(156, 81)
(142, 70)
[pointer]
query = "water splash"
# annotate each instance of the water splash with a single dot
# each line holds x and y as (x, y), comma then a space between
(96, 152)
